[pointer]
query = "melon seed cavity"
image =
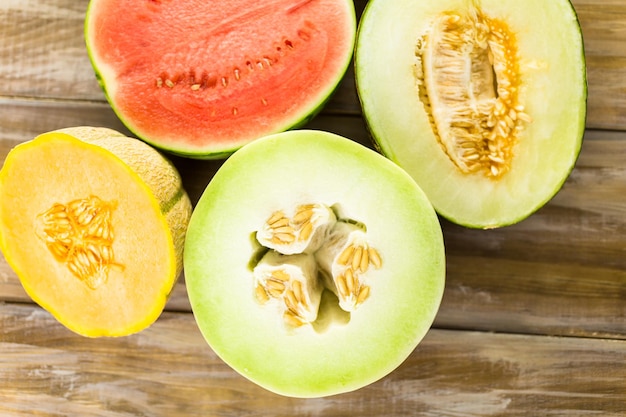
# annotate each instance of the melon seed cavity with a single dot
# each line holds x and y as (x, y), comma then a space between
(310, 250)
(468, 79)
(79, 234)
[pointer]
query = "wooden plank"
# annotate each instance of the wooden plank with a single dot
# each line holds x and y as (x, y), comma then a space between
(168, 370)
(562, 271)
(603, 25)
(22, 120)
(42, 50)
(42, 55)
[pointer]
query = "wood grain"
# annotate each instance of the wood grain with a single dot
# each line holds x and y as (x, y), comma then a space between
(573, 249)
(42, 55)
(168, 370)
(541, 274)
(603, 25)
(533, 320)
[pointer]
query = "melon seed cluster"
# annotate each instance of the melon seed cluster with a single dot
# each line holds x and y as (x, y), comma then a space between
(310, 250)
(467, 74)
(79, 234)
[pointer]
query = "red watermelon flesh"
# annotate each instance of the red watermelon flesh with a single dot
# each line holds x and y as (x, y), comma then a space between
(204, 77)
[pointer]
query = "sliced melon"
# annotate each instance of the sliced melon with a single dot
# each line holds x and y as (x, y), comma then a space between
(482, 102)
(202, 78)
(314, 265)
(93, 223)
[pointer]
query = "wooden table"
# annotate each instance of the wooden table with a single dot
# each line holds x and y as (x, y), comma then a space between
(533, 321)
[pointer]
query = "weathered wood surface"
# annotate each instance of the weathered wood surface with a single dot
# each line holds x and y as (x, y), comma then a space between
(166, 371)
(533, 321)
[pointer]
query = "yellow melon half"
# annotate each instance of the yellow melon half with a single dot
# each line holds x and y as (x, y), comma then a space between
(93, 223)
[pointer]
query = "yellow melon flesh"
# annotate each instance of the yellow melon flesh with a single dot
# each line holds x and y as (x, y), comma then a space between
(93, 223)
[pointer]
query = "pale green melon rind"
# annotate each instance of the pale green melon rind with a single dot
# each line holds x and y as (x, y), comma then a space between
(209, 152)
(312, 166)
(551, 46)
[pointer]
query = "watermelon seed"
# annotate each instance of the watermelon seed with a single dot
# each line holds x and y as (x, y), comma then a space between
(225, 81)
(264, 101)
(204, 79)
(211, 82)
(237, 75)
(304, 35)
(169, 83)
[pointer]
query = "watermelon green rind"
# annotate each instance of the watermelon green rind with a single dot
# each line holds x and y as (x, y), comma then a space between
(306, 102)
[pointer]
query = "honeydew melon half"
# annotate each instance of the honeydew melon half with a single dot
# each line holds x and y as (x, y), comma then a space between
(314, 265)
(482, 102)
(202, 78)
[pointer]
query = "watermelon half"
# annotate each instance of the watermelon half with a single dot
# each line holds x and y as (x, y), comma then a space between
(201, 78)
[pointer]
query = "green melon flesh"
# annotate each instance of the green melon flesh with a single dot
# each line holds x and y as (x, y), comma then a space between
(552, 88)
(340, 351)
(201, 78)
